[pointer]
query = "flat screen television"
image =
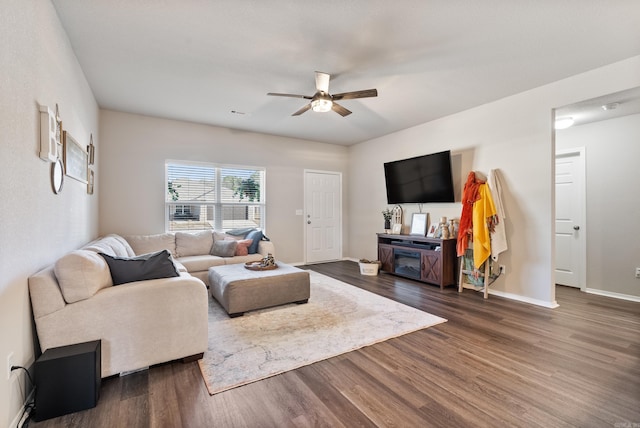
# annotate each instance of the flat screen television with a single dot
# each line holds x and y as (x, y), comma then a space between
(422, 179)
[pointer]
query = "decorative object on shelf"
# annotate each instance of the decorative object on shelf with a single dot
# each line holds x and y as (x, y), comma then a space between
(444, 228)
(452, 228)
(90, 183)
(75, 159)
(433, 229)
(259, 266)
(387, 214)
(369, 267)
(419, 224)
(91, 151)
(57, 175)
(268, 260)
(397, 220)
(50, 128)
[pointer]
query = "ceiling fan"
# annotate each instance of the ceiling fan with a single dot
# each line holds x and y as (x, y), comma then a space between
(322, 101)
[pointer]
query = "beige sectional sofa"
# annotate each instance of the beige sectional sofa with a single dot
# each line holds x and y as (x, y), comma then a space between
(193, 250)
(140, 323)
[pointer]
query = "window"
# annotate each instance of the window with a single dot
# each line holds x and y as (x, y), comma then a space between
(204, 196)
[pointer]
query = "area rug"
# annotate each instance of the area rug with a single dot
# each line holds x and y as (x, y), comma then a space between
(338, 318)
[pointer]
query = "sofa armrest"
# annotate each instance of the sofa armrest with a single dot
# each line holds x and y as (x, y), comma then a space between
(266, 247)
(140, 323)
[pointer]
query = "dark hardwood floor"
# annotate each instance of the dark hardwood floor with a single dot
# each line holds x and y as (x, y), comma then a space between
(496, 362)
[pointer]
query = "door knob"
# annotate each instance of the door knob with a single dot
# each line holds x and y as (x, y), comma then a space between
(576, 227)
(308, 221)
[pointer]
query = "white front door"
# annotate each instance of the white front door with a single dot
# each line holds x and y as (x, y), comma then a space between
(323, 216)
(570, 228)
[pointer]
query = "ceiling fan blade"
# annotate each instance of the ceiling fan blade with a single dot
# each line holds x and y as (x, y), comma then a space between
(340, 110)
(302, 110)
(322, 81)
(274, 94)
(356, 94)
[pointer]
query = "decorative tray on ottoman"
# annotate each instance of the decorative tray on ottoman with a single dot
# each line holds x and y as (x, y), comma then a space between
(259, 266)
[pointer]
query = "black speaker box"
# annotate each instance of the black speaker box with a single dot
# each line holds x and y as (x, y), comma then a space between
(67, 380)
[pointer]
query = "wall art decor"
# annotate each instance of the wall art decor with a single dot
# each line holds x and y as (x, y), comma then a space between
(91, 151)
(57, 176)
(75, 159)
(90, 183)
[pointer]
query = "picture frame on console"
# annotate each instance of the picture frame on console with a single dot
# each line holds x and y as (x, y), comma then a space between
(419, 224)
(433, 229)
(396, 229)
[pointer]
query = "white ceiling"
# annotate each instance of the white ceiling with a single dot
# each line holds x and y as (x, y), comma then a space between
(199, 60)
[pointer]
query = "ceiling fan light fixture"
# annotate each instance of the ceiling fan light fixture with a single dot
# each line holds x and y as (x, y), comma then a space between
(564, 122)
(321, 105)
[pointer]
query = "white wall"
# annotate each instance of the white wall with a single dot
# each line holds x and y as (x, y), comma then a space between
(514, 135)
(613, 209)
(132, 189)
(37, 66)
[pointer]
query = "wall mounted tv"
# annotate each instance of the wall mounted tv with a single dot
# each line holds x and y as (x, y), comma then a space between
(422, 179)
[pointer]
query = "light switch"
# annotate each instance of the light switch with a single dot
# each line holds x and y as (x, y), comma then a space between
(298, 212)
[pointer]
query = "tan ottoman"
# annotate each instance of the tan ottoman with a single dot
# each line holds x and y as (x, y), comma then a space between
(239, 289)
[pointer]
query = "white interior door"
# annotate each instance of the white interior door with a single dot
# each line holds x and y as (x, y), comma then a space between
(323, 216)
(570, 218)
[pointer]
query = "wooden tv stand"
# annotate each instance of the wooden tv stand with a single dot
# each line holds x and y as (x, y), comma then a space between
(430, 260)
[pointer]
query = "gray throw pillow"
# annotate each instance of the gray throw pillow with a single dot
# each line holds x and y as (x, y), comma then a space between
(140, 268)
(224, 248)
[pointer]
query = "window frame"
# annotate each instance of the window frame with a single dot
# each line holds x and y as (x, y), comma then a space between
(217, 205)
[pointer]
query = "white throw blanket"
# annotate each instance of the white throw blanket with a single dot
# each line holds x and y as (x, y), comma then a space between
(498, 236)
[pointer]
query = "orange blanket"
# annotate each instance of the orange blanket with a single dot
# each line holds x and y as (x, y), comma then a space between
(469, 196)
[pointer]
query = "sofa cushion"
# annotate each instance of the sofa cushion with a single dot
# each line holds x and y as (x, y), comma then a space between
(145, 244)
(201, 263)
(119, 245)
(224, 248)
(243, 259)
(243, 247)
(140, 268)
(193, 244)
(113, 245)
(80, 274)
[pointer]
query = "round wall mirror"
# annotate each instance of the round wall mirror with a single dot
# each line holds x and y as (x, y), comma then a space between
(57, 175)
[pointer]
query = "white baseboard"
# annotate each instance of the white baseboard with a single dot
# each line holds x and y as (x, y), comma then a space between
(329, 261)
(524, 299)
(612, 294)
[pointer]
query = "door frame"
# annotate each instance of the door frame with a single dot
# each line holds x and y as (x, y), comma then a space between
(582, 250)
(304, 216)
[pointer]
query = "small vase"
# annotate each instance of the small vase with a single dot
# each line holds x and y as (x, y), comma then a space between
(387, 224)
(445, 230)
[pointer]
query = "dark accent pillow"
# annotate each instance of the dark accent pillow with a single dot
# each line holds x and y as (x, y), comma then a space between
(140, 268)
(224, 248)
(256, 236)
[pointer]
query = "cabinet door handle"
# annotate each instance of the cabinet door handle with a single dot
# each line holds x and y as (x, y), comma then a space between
(576, 227)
